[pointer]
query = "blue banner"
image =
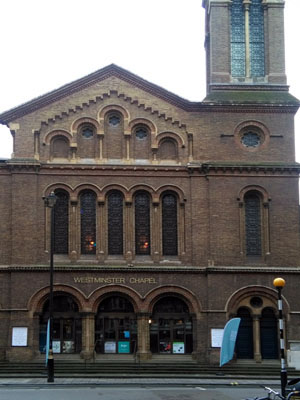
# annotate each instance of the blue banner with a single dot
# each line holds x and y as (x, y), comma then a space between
(47, 341)
(229, 339)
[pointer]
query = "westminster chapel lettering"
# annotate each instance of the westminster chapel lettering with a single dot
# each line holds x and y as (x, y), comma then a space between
(117, 280)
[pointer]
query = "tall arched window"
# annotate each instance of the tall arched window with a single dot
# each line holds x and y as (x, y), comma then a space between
(115, 223)
(61, 223)
(247, 39)
(88, 222)
(142, 223)
(253, 224)
(169, 224)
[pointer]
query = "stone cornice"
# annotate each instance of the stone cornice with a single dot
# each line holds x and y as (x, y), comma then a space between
(224, 167)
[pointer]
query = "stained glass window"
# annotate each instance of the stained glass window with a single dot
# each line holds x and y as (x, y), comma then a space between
(253, 224)
(88, 222)
(238, 51)
(61, 223)
(257, 46)
(251, 139)
(169, 224)
(115, 223)
(142, 223)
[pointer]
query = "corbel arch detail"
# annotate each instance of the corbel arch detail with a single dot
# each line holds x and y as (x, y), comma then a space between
(84, 120)
(58, 132)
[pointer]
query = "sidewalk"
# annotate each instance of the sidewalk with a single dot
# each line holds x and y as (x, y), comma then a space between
(81, 382)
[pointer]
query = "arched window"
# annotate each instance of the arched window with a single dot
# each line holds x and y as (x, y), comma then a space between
(169, 224)
(253, 224)
(60, 147)
(115, 223)
(61, 222)
(241, 45)
(142, 223)
(88, 222)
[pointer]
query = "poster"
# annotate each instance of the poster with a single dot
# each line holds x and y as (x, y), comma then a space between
(123, 347)
(19, 336)
(56, 346)
(216, 337)
(110, 347)
(178, 347)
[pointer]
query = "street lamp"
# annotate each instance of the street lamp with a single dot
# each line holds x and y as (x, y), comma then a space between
(50, 201)
(279, 283)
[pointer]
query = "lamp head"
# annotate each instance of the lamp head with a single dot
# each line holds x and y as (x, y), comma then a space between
(279, 283)
(50, 200)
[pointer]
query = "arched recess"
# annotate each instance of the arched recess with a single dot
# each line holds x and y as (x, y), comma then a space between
(167, 150)
(84, 120)
(254, 222)
(256, 299)
(86, 186)
(58, 132)
(173, 326)
(111, 108)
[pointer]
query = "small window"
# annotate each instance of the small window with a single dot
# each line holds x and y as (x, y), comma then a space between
(114, 120)
(87, 132)
(141, 133)
(251, 139)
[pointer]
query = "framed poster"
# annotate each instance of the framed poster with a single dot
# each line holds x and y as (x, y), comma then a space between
(216, 337)
(178, 347)
(19, 336)
(110, 347)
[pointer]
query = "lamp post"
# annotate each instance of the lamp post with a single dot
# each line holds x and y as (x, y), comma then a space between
(50, 201)
(279, 283)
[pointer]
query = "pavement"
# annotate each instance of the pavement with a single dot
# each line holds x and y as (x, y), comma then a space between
(90, 382)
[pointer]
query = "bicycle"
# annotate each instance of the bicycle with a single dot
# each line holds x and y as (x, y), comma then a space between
(272, 394)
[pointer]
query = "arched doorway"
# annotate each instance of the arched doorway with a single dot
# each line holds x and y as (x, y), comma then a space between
(67, 327)
(171, 327)
(268, 334)
(244, 342)
(115, 326)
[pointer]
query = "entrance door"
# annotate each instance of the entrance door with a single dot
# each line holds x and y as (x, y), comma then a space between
(171, 327)
(244, 342)
(115, 327)
(67, 330)
(268, 334)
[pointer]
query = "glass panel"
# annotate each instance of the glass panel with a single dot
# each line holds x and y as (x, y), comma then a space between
(142, 224)
(169, 224)
(115, 223)
(253, 224)
(88, 222)
(238, 52)
(257, 46)
(170, 305)
(115, 304)
(61, 223)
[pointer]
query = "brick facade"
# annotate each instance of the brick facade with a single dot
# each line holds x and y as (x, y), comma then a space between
(158, 144)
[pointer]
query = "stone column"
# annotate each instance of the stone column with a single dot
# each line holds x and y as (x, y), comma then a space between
(256, 338)
(143, 337)
(88, 335)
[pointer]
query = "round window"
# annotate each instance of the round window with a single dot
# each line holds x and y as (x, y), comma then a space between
(114, 120)
(87, 132)
(256, 302)
(141, 133)
(251, 139)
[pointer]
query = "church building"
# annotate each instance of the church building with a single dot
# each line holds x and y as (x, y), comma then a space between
(171, 216)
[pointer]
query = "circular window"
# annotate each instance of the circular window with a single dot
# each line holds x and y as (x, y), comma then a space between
(87, 132)
(256, 302)
(251, 139)
(141, 133)
(114, 120)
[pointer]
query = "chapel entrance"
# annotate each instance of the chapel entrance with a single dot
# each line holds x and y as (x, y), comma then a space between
(115, 327)
(268, 334)
(67, 327)
(171, 328)
(244, 341)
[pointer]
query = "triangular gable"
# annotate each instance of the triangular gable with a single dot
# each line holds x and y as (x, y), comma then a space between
(89, 80)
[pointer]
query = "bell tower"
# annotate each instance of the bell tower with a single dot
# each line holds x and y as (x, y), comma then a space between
(244, 44)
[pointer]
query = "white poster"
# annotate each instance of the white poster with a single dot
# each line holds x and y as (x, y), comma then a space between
(216, 337)
(56, 346)
(19, 336)
(110, 347)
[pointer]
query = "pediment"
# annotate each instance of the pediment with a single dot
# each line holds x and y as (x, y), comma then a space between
(94, 80)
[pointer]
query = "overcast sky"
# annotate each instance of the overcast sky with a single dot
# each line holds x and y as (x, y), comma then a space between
(46, 44)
